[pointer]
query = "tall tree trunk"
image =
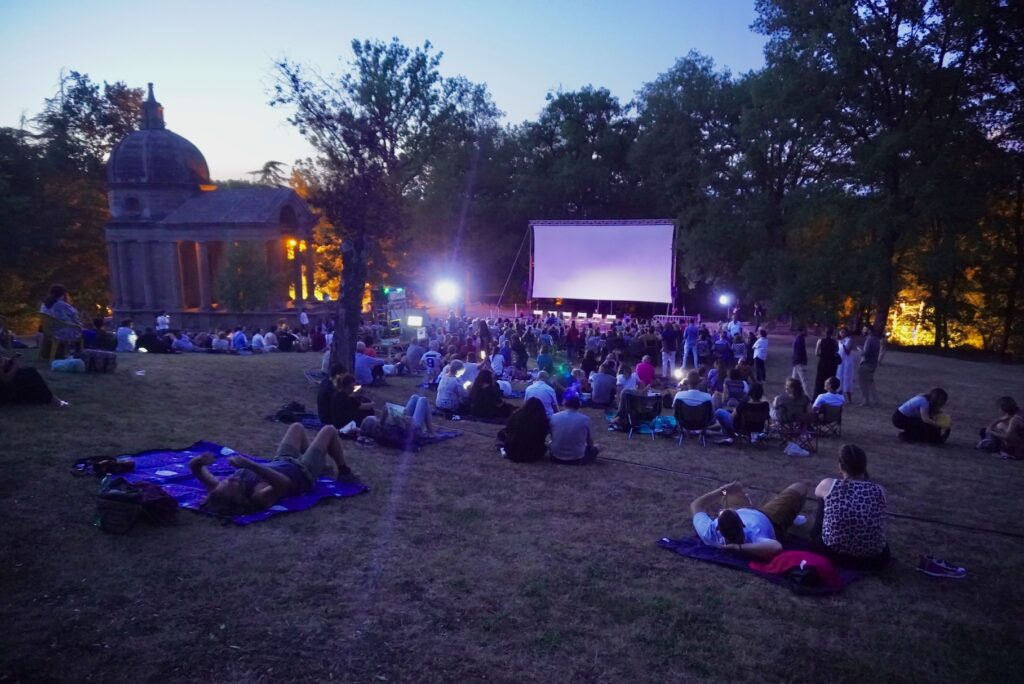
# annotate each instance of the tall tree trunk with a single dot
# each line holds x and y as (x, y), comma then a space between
(1017, 279)
(350, 302)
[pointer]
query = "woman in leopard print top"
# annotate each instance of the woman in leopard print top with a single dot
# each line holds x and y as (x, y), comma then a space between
(851, 515)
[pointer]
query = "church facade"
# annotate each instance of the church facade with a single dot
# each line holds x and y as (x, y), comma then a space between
(170, 228)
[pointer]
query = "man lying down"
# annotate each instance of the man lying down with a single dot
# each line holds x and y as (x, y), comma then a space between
(258, 486)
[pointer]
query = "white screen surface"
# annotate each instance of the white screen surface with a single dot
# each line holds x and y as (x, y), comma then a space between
(612, 262)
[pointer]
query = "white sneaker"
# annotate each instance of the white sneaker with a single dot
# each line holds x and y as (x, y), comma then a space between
(800, 520)
(793, 449)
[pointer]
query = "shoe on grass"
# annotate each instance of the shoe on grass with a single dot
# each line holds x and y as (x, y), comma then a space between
(936, 567)
(724, 440)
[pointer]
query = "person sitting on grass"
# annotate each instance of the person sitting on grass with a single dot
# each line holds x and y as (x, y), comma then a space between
(523, 440)
(1005, 435)
(270, 340)
(645, 371)
(239, 342)
(850, 524)
(921, 419)
(734, 391)
(152, 343)
(399, 428)
(545, 362)
(221, 344)
(572, 441)
(126, 337)
(452, 395)
(347, 405)
(830, 397)
(485, 399)
(295, 469)
(542, 390)
(369, 370)
(602, 385)
(24, 385)
(739, 526)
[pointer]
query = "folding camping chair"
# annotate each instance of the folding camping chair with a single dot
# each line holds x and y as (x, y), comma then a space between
(750, 420)
(797, 429)
(830, 421)
(694, 419)
(642, 410)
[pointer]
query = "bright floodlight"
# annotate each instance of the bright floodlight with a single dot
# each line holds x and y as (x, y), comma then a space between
(678, 373)
(725, 299)
(446, 291)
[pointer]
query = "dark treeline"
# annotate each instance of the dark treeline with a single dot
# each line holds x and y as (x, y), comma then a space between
(875, 163)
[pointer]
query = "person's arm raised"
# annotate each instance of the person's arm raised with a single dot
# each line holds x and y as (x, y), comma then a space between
(198, 468)
(703, 502)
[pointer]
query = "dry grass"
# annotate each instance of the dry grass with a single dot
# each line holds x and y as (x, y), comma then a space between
(459, 566)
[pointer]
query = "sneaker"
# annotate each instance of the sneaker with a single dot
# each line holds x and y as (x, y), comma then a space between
(936, 567)
(456, 417)
(800, 520)
(795, 450)
(724, 440)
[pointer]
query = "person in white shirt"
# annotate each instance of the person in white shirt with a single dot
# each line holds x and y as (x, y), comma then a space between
(163, 322)
(760, 355)
(270, 341)
(626, 379)
(257, 343)
(734, 327)
(830, 397)
(431, 361)
(540, 389)
(689, 394)
(303, 319)
(498, 365)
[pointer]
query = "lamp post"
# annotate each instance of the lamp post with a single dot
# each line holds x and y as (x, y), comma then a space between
(725, 300)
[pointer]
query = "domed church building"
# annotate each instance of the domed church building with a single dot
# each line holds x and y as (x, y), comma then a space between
(170, 226)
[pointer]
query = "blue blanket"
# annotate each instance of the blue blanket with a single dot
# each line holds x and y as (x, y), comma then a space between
(693, 547)
(169, 469)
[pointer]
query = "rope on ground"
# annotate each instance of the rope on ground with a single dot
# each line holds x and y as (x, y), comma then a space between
(900, 516)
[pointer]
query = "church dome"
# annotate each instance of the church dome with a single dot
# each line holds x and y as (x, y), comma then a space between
(155, 155)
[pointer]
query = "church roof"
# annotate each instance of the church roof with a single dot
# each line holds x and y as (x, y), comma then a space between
(242, 205)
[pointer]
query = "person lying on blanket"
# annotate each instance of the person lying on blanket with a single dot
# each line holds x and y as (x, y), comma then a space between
(258, 486)
(739, 526)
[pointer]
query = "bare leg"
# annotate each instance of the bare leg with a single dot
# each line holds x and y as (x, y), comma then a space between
(328, 441)
(296, 437)
(421, 415)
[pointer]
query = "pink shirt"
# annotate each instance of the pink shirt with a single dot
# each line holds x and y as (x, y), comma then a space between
(645, 372)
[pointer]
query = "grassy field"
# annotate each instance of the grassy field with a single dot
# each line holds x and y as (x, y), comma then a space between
(461, 567)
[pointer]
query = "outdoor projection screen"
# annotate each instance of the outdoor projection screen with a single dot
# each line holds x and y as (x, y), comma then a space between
(624, 261)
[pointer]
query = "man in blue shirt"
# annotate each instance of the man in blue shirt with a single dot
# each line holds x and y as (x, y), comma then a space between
(690, 337)
(739, 526)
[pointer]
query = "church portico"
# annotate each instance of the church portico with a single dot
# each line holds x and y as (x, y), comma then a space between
(171, 231)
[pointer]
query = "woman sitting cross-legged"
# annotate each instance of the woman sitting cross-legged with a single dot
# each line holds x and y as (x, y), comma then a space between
(921, 419)
(793, 406)
(525, 434)
(851, 515)
(452, 395)
(1005, 435)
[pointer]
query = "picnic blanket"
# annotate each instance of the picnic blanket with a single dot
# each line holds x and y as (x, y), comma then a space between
(394, 442)
(447, 415)
(693, 547)
(169, 469)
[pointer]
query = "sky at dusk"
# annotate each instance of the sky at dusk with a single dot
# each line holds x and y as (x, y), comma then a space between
(211, 62)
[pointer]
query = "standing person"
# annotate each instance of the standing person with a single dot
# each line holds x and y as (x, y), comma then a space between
(921, 419)
(572, 341)
(690, 336)
(126, 337)
(303, 320)
(869, 358)
(669, 347)
(761, 356)
(163, 323)
(800, 356)
(827, 351)
(847, 364)
(734, 327)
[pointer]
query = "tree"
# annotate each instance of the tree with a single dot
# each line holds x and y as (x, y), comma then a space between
(245, 282)
(272, 173)
(377, 130)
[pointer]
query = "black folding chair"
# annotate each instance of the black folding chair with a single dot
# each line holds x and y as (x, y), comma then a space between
(642, 410)
(694, 420)
(797, 429)
(752, 419)
(830, 421)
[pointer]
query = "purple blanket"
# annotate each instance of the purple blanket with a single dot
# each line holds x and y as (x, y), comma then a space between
(693, 547)
(169, 469)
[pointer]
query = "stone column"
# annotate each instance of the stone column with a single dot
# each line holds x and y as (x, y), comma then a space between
(203, 265)
(124, 274)
(308, 259)
(297, 274)
(115, 285)
(275, 264)
(147, 274)
(177, 295)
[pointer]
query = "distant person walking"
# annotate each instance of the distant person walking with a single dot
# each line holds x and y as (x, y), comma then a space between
(869, 357)
(800, 356)
(827, 351)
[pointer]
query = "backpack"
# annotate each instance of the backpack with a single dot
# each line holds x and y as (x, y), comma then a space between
(120, 504)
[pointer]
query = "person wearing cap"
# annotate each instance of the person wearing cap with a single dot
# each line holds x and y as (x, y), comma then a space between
(851, 514)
